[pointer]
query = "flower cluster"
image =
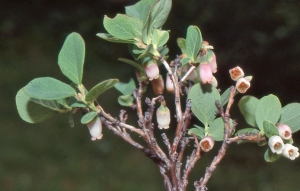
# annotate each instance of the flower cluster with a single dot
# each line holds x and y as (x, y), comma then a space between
(242, 83)
(277, 145)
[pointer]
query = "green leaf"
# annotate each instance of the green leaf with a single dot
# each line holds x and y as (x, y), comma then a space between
(47, 88)
(247, 106)
(270, 129)
(132, 63)
(98, 89)
(160, 37)
(181, 42)
(71, 57)
(185, 60)
(268, 108)
(290, 115)
(203, 98)
(88, 117)
(125, 88)
(125, 100)
(193, 42)
(140, 9)
(149, 51)
(34, 110)
(271, 157)
(71, 120)
(216, 129)
(156, 18)
(159, 13)
(111, 38)
(120, 27)
(198, 131)
(247, 131)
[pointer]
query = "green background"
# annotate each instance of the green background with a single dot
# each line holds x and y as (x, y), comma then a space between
(262, 37)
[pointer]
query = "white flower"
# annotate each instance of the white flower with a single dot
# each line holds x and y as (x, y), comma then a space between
(290, 152)
(236, 73)
(207, 143)
(163, 116)
(95, 128)
(242, 85)
(284, 131)
(276, 144)
(151, 69)
(169, 84)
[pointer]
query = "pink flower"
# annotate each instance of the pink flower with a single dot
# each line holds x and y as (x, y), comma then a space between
(206, 73)
(284, 131)
(151, 70)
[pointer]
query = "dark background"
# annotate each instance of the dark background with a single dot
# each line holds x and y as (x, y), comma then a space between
(260, 36)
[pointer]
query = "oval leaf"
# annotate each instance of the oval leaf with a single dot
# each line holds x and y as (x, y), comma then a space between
(198, 131)
(159, 38)
(126, 88)
(290, 115)
(247, 106)
(88, 117)
(268, 109)
(193, 42)
(271, 157)
(270, 129)
(71, 58)
(125, 100)
(181, 42)
(119, 27)
(100, 88)
(140, 9)
(110, 38)
(34, 110)
(47, 88)
(203, 98)
(132, 63)
(216, 129)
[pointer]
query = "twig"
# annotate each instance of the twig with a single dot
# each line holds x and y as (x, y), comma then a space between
(192, 68)
(191, 161)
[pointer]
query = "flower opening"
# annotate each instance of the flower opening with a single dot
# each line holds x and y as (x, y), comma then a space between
(236, 73)
(290, 152)
(207, 143)
(95, 128)
(276, 144)
(242, 85)
(284, 131)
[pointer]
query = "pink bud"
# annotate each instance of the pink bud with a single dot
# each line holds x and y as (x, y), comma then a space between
(284, 131)
(207, 143)
(213, 62)
(95, 128)
(236, 73)
(206, 73)
(242, 85)
(151, 69)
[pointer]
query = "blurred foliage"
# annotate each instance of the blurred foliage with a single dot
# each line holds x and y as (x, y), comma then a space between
(262, 37)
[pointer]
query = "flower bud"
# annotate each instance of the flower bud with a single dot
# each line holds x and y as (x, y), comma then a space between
(95, 128)
(163, 116)
(284, 131)
(207, 143)
(290, 151)
(158, 85)
(205, 73)
(169, 84)
(151, 70)
(242, 85)
(236, 73)
(276, 144)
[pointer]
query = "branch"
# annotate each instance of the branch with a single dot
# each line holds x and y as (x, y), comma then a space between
(201, 185)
